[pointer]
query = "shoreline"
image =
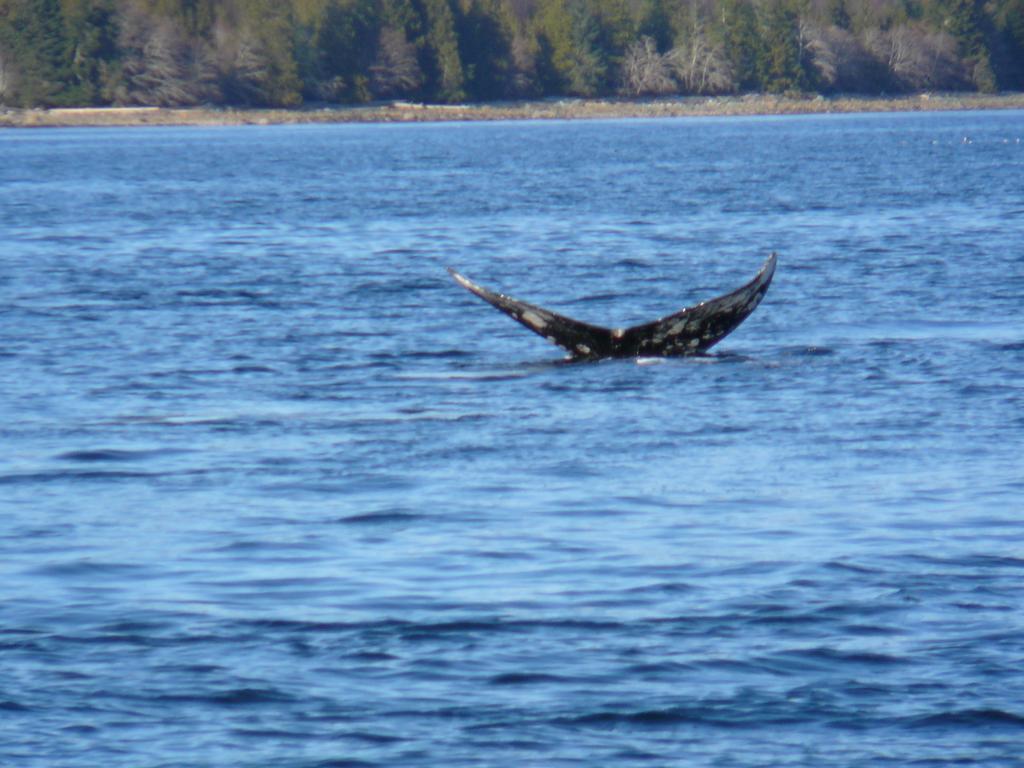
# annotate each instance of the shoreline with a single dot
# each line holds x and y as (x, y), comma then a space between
(552, 109)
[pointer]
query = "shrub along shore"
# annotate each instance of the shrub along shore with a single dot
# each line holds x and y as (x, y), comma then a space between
(551, 109)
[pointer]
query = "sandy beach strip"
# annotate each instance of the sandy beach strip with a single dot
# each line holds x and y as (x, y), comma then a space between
(549, 109)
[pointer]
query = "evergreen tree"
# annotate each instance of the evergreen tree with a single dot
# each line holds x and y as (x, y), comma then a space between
(485, 38)
(445, 79)
(742, 41)
(344, 49)
(92, 40)
(653, 20)
(32, 38)
(781, 67)
(575, 62)
(1008, 53)
(963, 20)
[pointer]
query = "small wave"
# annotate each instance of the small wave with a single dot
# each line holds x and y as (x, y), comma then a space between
(421, 630)
(983, 561)
(372, 738)
(833, 657)
(1010, 346)
(229, 697)
(92, 569)
(631, 263)
(380, 518)
(650, 717)
(225, 297)
(90, 455)
(431, 354)
(972, 717)
(480, 376)
(29, 478)
(269, 733)
(524, 678)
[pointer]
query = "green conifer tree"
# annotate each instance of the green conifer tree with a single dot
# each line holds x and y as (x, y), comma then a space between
(963, 20)
(780, 66)
(742, 41)
(485, 40)
(446, 81)
(32, 35)
(92, 40)
(344, 48)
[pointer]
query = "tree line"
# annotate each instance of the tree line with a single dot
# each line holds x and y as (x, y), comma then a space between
(286, 52)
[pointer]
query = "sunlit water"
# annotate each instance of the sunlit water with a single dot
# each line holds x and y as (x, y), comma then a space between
(274, 491)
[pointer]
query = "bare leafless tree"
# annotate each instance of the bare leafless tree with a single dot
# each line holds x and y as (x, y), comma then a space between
(646, 71)
(916, 58)
(396, 70)
(821, 48)
(8, 75)
(837, 58)
(524, 65)
(701, 65)
(159, 65)
(246, 68)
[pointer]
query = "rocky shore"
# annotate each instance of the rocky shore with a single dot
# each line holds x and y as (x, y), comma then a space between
(561, 109)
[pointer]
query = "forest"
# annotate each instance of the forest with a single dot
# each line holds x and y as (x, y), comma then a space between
(285, 53)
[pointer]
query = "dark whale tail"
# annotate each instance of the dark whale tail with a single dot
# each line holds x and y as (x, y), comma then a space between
(689, 331)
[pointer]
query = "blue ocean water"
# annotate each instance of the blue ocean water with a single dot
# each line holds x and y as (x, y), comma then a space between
(274, 491)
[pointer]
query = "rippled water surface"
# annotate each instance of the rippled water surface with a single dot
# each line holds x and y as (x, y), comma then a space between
(275, 491)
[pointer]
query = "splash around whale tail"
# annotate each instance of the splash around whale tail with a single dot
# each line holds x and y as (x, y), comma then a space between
(689, 331)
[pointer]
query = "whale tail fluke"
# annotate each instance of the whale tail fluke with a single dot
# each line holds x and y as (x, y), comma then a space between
(689, 331)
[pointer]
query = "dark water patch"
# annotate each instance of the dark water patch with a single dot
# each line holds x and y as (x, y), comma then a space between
(100, 455)
(73, 476)
(81, 729)
(269, 733)
(384, 517)
(871, 630)
(856, 568)
(525, 678)
(396, 252)
(231, 697)
(244, 369)
(664, 588)
(250, 546)
(981, 562)
(402, 629)
(222, 296)
(437, 354)
(317, 627)
(631, 264)
(373, 657)
(354, 486)
(663, 670)
(93, 570)
(831, 659)
(371, 737)
(974, 718)
(670, 717)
